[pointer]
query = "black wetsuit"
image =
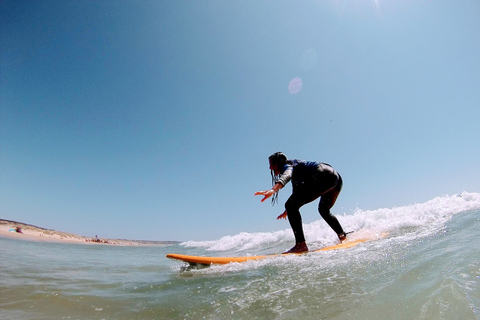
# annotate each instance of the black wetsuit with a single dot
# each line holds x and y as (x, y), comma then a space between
(311, 180)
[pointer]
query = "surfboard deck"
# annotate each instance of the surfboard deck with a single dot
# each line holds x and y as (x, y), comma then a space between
(200, 260)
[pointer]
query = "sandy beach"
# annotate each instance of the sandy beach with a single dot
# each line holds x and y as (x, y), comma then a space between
(22, 231)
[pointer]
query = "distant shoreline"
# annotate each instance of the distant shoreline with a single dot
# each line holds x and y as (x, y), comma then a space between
(23, 231)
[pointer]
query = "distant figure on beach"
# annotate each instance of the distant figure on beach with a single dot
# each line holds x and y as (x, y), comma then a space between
(16, 229)
(310, 180)
(97, 240)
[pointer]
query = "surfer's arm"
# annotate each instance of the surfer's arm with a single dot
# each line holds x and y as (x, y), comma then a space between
(268, 193)
(286, 175)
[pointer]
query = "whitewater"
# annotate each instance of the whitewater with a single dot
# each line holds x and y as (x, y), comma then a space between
(427, 267)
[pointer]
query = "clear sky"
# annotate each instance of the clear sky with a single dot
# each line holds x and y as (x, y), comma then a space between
(155, 119)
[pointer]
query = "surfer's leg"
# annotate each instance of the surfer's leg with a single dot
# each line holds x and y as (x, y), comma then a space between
(326, 202)
(295, 219)
(292, 206)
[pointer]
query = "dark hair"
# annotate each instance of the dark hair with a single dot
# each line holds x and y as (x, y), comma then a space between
(277, 159)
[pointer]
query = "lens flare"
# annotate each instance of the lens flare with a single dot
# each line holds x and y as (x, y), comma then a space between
(295, 85)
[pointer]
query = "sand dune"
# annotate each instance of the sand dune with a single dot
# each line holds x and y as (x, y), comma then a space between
(22, 231)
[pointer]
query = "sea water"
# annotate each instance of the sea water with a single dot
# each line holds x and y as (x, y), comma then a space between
(426, 267)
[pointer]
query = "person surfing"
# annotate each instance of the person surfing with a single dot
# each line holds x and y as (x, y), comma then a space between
(310, 180)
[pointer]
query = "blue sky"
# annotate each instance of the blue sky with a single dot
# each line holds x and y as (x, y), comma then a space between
(154, 119)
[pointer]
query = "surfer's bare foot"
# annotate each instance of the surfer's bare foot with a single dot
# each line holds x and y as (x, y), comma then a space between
(299, 248)
(342, 236)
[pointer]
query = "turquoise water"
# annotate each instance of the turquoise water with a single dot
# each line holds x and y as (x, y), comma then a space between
(427, 267)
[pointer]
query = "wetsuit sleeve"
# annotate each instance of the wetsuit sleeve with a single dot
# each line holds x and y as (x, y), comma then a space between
(286, 175)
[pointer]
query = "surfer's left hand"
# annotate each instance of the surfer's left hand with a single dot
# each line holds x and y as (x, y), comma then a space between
(283, 215)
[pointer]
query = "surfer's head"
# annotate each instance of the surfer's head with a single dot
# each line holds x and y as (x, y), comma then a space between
(277, 162)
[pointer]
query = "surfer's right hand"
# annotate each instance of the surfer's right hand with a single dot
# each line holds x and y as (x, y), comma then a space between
(266, 193)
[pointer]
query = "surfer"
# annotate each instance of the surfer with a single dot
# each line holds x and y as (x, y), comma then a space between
(310, 180)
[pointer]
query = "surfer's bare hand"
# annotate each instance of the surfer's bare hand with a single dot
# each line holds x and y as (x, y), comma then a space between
(283, 215)
(266, 193)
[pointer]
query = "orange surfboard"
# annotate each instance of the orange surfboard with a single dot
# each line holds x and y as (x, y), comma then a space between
(194, 260)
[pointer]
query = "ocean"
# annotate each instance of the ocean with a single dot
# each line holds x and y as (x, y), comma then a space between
(427, 267)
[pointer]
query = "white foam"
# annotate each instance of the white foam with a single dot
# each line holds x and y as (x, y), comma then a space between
(242, 241)
(425, 217)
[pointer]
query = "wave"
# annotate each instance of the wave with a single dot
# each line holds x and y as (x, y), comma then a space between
(415, 220)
